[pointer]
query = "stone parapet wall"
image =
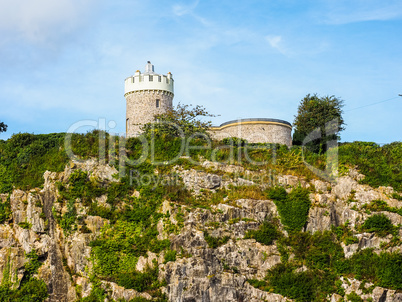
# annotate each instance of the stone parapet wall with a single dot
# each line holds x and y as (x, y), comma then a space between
(141, 108)
(255, 131)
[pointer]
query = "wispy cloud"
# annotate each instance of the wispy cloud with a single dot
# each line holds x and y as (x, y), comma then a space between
(277, 43)
(41, 21)
(184, 9)
(344, 12)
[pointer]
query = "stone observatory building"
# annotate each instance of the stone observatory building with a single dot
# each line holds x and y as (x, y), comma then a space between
(255, 130)
(149, 93)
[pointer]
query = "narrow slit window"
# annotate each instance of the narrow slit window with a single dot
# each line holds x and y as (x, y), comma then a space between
(157, 103)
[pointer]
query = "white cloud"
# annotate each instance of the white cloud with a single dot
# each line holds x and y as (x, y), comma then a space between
(41, 21)
(276, 43)
(344, 12)
(181, 9)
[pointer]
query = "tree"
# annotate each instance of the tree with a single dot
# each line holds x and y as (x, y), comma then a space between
(180, 121)
(318, 121)
(3, 127)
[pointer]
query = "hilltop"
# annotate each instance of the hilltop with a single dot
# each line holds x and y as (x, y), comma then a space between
(219, 221)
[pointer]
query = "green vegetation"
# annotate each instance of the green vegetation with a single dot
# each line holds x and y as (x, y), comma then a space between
(170, 255)
(345, 234)
(312, 264)
(381, 166)
(25, 157)
(181, 121)
(3, 127)
(214, 242)
(323, 260)
(353, 297)
(33, 290)
(396, 196)
(30, 289)
(67, 220)
(133, 233)
(383, 270)
(318, 112)
(380, 224)
(293, 207)
(25, 225)
(380, 205)
(266, 234)
(5, 210)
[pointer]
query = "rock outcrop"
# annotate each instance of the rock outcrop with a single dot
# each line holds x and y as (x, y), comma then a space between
(200, 273)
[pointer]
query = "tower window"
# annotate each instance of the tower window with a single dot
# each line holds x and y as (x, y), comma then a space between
(159, 78)
(151, 78)
(157, 103)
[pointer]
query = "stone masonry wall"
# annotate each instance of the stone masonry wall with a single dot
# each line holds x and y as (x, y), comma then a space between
(256, 133)
(141, 109)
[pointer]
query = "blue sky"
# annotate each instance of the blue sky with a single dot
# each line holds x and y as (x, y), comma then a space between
(65, 61)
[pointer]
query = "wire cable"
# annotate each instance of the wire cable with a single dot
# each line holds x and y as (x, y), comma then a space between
(373, 103)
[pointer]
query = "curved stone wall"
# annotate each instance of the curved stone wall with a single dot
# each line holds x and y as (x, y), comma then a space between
(142, 107)
(256, 131)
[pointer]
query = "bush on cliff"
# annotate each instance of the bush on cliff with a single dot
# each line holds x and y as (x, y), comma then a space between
(293, 207)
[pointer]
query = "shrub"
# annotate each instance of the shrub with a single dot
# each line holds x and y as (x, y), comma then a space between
(379, 223)
(25, 225)
(293, 208)
(214, 242)
(260, 284)
(323, 252)
(5, 211)
(353, 297)
(25, 157)
(148, 280)
(277, 193)
(234, 141)
(389, 270)
(67, 220)
(396, 196)
(285, 281)
(381, 205)
(363, 265)
(170, 255)
(344, 234)
(178, 121)
(266, 233)
(380, 165)
(32, 291)
(31, 268)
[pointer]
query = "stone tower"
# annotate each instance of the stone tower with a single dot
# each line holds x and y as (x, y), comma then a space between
(147, 94)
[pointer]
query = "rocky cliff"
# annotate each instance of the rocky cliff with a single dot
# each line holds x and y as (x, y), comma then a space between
(211, 255)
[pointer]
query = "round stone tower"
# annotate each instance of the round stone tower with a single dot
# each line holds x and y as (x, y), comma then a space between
(147, 94)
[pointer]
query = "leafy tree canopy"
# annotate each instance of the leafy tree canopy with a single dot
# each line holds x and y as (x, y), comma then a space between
(3, 127)
(313, 119)
(183, 120)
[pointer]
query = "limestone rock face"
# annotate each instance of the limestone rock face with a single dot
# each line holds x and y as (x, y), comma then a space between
(199, 273)
(198, 180)
(220, 274)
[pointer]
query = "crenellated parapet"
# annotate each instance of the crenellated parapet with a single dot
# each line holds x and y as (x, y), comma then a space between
(149, 81)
